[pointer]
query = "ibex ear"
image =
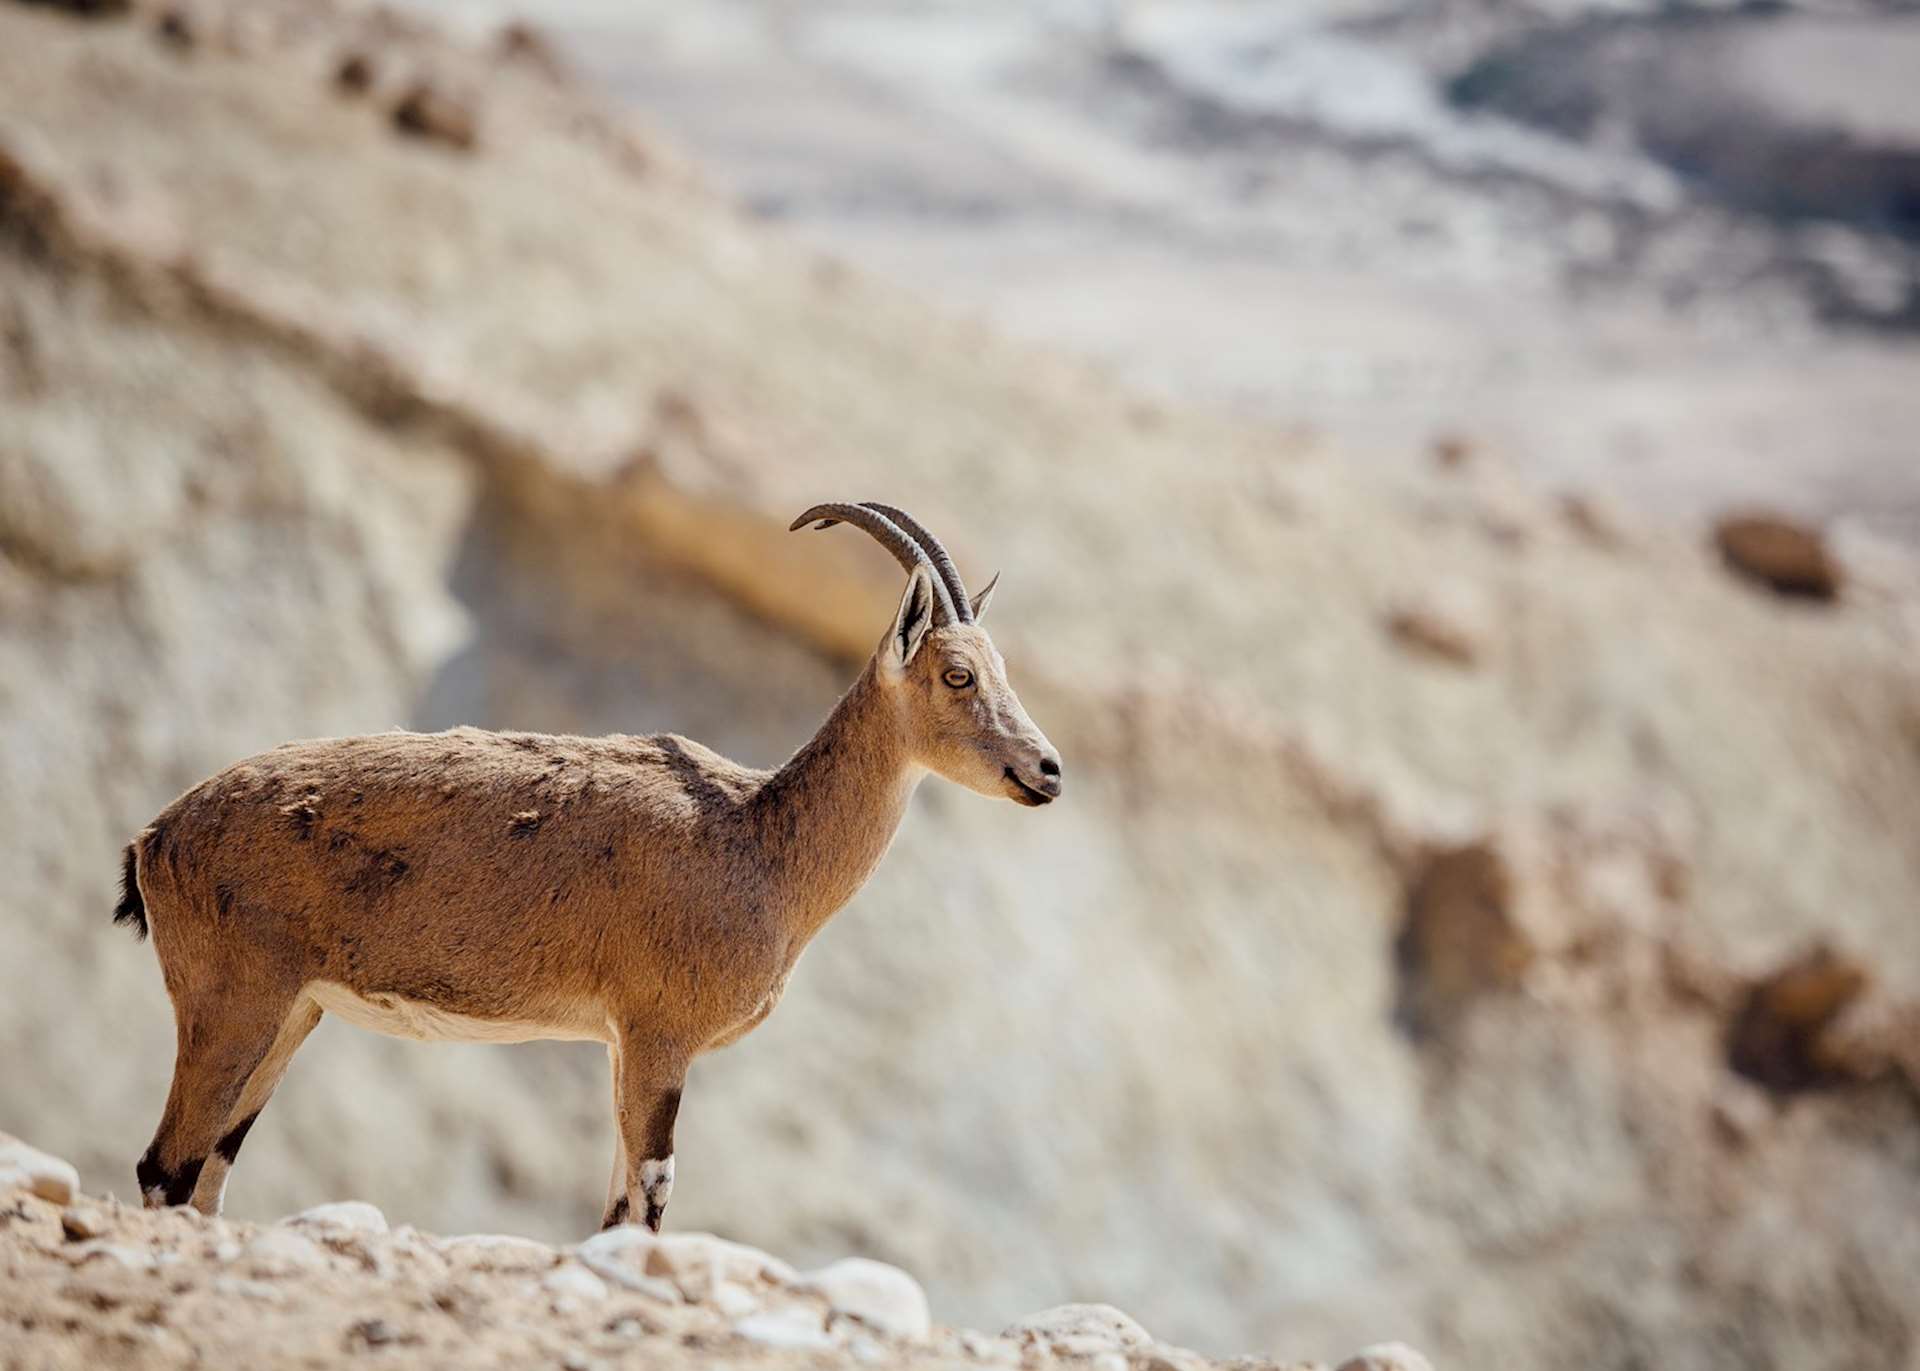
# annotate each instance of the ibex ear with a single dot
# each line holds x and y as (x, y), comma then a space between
(985, 597)
(910, 625)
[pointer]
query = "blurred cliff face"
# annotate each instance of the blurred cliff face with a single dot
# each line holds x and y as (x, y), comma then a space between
(1666, 250)
(1429, 943)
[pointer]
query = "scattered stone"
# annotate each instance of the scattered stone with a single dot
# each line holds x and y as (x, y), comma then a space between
(1079, 1329)
(283, 1252)
(133, 1258)
(227, 1251)
(881, 1296)
(733, 1301)
(520, 41)
(241, 1288)
(81, 1224)
(694, 1262)
(344, 1216)
(620, 1255)
(354, 75)
(1449, 622)
(1386, 1356)
(425, 112)
(36, 1172)
(1781, 554)
(1451, 451)
(983, 1348)
(574, 1281)
(1173, 1359)
(1459, 940)
(795, 1328)
(370, 1333)
(498, 1252)
(175, 28)
(1779, 1036)
(1595, 519)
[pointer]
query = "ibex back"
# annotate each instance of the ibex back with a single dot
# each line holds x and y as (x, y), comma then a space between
(642, 892)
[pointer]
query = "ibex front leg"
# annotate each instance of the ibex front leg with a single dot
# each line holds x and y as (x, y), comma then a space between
(649, 1075)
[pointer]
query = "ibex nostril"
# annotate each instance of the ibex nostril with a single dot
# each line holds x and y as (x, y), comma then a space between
(1049, 767)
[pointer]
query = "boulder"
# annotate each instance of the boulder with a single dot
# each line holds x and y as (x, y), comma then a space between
(1449, 622)
(283, 1252)
(573, 1281)
(696, 1263)
(796, 1328)
(1460, 939)
(1080, 1329)
(80, 1223)
(342, 1217)
(497, 1252)
(880, 1296)
(620, 1255)
(1780, 1035)
(36, 1172)
(120, 1254)
(426, 112)
(1784, 555)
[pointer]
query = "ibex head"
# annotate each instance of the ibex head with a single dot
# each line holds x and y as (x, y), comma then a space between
(962, 717)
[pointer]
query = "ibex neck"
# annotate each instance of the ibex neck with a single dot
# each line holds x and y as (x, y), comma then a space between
(830, 813)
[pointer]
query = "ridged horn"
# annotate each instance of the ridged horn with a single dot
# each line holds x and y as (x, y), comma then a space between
(905, 548)
(942, 563)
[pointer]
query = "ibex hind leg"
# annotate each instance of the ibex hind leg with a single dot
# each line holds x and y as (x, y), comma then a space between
(210, 1193)
(647, 1086)
(222, 1039)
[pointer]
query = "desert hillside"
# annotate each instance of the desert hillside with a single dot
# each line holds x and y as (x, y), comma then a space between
(1476, 919)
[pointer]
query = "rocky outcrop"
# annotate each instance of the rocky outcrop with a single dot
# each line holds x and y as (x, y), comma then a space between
(169, 1288)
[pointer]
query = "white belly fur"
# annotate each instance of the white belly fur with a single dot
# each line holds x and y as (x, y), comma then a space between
(404, 1018)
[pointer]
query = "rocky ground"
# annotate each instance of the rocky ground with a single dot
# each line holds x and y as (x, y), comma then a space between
(1481, 916)
(90, 1282)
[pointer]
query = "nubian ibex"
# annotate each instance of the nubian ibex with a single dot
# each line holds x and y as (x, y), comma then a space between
(501, 887)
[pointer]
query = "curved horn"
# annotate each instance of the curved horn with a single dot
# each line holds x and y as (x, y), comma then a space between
(894, 539)
(942, 563)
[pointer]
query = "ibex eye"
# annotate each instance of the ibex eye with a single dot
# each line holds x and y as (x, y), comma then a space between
(958, 678)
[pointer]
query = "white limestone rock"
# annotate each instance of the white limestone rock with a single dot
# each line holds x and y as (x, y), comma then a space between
(36, 1172)
(283, 1252)
(1080, 1330)
(341, 1217)
(498, 1252)
(881, 1296)
(574, 1281)
(1386, 1356)
(795, 1328)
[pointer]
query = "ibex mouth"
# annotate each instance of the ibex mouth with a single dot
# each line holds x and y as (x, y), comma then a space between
(1025, 793)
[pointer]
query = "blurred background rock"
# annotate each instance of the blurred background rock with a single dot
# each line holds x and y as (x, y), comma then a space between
(1453, 468)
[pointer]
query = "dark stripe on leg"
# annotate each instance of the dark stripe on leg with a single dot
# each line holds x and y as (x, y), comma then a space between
(175, 1187)
(229, 1146)
(616, 1215)
(151, 1174)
